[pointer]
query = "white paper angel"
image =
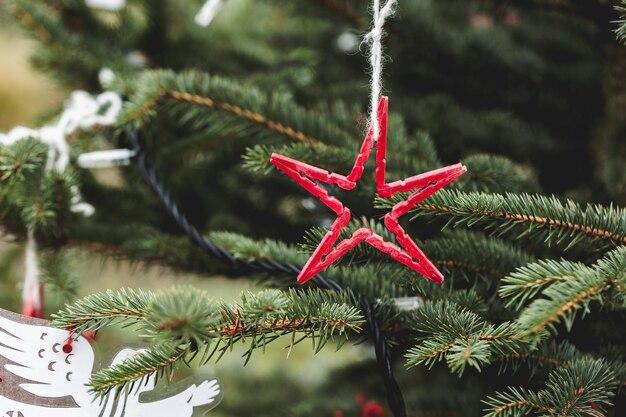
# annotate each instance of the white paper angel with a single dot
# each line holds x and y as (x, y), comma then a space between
(37, 367)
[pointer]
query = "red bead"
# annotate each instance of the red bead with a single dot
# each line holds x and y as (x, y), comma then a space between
(373, 409)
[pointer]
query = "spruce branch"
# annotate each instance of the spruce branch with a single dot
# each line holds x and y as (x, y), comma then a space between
(527, 281)
(583, 389)
(565, 288)
(142, 246)
(186, 322)
(548, 353)
(368, 280)
(68, 48)
(497, 174)
(157, 361)
(620, 31)
(547, 218)
(199, 99)
(242, 113)
(18, 161)
(562, 302)
(247, 248)
(103, 309)
(517, 402)
(31, 198)
(468, 254)
(461, 337)
(458, 253)
(60, 277)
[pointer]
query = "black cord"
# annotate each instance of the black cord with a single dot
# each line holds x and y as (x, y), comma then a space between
(394, 394)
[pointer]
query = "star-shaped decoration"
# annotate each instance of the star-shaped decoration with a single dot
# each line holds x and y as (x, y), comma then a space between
(420, 186)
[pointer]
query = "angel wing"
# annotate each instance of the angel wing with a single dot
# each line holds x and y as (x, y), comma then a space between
(37, 355)
(181, 404)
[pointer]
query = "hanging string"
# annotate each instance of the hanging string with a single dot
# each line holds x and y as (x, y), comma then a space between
(374, 40)
(32, 293)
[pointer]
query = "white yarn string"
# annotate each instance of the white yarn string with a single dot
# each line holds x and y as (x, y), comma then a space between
(31, 294)
(374, 39)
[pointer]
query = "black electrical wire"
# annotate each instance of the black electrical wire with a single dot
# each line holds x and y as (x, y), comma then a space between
(395, 398)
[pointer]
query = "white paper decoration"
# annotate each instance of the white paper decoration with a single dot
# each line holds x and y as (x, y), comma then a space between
(40, 376)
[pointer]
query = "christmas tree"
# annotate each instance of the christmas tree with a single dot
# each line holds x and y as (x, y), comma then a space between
(527, 94)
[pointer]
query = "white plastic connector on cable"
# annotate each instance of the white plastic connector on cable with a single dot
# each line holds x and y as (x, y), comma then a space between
(106, 159)
(406, 304)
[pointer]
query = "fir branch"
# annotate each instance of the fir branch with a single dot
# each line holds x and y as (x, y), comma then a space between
(369, 281)
(448, 331)
(60, 277)
(582, 389)
(534, 357)
(31, 198)
(458, 253)
(562, 304)
(247, 248)
(102, 309)
(26, 18)
(547, 218)
(547, 354)
(156, 361)
(68, 49)
(470, 254)
(527, 281)
(497, 174)
(513, 404)
(186, 321)
(143, 248)
(243, 113)
(620, 31)
(248, 107)
(565, 288)
(19, 160)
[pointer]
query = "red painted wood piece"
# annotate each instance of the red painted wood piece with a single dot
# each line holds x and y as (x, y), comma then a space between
(420, 186)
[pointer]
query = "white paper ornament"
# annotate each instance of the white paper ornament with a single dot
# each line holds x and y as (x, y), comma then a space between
(43, 376)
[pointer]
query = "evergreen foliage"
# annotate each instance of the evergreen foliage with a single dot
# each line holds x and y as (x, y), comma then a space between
(532, 240)
(185, 322)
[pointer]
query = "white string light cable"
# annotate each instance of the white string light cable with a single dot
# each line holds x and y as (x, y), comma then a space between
(82, 111)
(374, 39)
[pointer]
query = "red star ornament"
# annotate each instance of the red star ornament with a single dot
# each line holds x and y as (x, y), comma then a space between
(422, 186)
